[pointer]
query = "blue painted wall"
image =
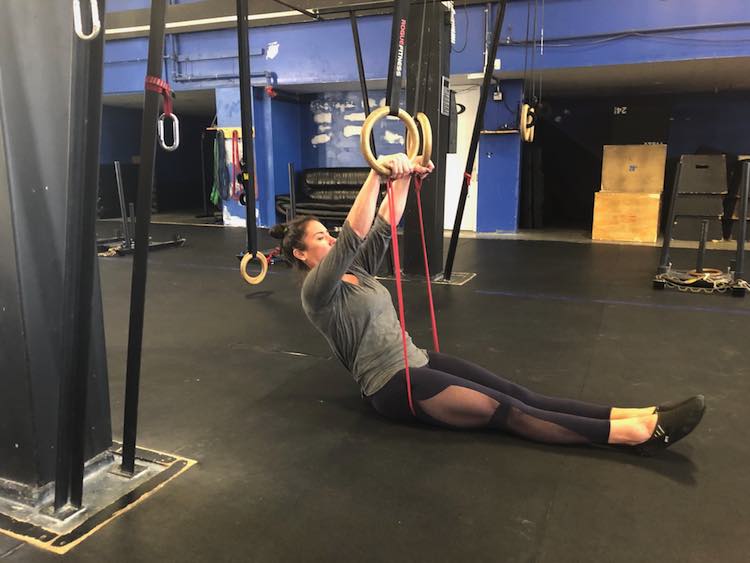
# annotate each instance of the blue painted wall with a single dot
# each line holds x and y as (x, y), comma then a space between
(331, 123)
(498, 185)
(636, 31)
(631, 32)
(228, 115)
(716, 120)
(177, 175)
(287, 141)
(121, 134)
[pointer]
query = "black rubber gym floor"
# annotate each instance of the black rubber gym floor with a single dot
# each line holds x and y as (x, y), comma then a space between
(293, 466)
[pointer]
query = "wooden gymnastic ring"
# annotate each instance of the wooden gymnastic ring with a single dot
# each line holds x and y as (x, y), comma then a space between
(424, 124)
(531, 131)
(364, 138)
(263, 268)
(527, 125)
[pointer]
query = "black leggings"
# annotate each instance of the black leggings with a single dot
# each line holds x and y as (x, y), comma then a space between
(455, 393)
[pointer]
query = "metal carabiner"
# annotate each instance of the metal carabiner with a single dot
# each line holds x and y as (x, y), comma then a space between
(96, 25)
(175, 132)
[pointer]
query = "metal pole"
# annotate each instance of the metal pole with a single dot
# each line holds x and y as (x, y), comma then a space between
(664, 258)
(702, 246)
(131, 219)
(246, 117)
(123, 208)
(140, 260)
(292, 211)
(361, 71)
(479, 119)
(80, 253)
(742, 234)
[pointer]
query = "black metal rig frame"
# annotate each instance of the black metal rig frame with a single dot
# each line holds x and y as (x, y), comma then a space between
(85, 120)
(739, 288)
(140, 260)
(490, 65)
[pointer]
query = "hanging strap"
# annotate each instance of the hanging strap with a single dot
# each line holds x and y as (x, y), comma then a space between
(215, 196)
(236, 165)
(156, 84)
(399, 288)
(418, 190)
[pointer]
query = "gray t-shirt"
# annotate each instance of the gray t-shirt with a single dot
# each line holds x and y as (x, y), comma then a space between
(359, 321)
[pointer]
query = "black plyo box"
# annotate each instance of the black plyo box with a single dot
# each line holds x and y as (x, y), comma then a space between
(699, 205)
(703, 174)
(689, 228)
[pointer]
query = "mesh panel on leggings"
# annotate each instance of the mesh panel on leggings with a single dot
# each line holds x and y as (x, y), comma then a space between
(533, 428)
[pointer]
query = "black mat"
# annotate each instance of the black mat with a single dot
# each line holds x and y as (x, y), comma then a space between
(293, 466)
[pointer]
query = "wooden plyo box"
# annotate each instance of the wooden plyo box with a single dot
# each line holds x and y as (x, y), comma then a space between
(633, 168)
(626, 217)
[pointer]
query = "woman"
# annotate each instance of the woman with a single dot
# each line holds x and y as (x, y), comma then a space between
(355, 313)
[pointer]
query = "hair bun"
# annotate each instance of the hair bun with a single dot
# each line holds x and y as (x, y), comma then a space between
(278, 231)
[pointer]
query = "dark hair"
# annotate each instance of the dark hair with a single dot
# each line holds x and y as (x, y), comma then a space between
(292, 235)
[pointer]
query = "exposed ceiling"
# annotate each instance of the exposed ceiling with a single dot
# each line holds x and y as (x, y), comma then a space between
(190, 102)
(700, 75)
(703, 75)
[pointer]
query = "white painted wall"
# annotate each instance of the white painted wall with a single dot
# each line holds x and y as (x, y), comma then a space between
(455, 163)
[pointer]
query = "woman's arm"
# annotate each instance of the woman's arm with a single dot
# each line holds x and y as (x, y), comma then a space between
(371, 253)
(363, 210)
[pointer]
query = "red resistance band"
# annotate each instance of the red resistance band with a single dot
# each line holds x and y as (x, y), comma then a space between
(236, 166)
(399, 287)
(155, 84)
(418, 189)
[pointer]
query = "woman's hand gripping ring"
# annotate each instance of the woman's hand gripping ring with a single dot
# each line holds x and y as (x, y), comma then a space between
(364, 140)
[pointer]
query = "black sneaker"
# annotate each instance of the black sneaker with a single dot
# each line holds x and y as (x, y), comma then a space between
(671, 405)
(673, 425)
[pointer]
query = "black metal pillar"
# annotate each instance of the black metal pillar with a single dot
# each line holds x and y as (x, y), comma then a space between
(80, 257)
(433, 70)
(43, 110)
(246, 118)
(489, 66)
(140, 260)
